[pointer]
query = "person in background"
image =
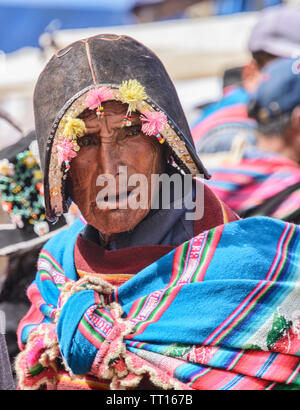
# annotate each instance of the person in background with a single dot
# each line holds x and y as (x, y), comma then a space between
(221, 121)
(275, 35)
(266, 181)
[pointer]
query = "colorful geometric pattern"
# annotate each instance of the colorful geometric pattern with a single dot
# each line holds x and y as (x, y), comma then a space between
(220, 312)
(251, 182)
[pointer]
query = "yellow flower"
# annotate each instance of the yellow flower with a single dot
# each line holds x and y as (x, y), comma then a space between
(74, 128)
(30, 161)
(132, 93)
(38, 175)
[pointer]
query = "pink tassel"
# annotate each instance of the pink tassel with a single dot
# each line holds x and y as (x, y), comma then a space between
(97, 96)
(153, 123)
(65, 151)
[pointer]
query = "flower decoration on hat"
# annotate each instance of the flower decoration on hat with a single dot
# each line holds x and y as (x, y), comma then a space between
(74, 128)
(65, 151)
(132, 93)
(67, 147)
(154, 123)
(96, 97)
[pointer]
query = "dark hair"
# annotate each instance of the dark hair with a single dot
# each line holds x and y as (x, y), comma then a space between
(262, 58)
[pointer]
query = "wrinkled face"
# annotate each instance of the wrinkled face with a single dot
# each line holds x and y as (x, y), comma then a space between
(111, 153)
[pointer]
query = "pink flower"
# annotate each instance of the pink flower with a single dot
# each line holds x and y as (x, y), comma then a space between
(97, 96)
(65, 151)
(153, 123)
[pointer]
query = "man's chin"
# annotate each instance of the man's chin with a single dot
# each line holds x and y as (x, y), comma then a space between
(117, 220)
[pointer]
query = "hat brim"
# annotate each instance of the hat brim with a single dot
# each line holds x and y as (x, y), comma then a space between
(279, 48)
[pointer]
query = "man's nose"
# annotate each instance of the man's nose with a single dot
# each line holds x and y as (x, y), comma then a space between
(108, 154)
(108, 158)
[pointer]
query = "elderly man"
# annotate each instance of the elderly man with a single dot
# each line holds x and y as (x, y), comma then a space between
(139, 290)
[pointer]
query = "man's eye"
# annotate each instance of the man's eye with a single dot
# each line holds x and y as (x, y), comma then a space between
(133, 131)
(87, 140)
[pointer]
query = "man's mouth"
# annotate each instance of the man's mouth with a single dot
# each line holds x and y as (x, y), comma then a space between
(117, 201)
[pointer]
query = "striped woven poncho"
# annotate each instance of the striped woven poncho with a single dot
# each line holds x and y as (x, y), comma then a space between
(221, 311)
(260, 185)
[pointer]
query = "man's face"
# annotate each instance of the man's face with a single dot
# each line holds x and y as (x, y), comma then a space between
(109, 149)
